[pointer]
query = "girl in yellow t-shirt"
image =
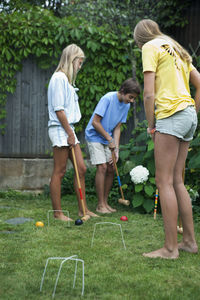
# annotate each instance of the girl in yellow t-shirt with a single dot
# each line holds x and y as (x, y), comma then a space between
(172, 119)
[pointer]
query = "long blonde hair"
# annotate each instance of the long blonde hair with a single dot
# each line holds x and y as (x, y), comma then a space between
(69, 55)
(147, 30)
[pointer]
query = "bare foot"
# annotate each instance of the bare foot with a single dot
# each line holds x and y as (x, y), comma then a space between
(91, 214)
(162, 253)
(62, 217)
(88, 213)
(103, 210)
(188, 247)
(110, 208)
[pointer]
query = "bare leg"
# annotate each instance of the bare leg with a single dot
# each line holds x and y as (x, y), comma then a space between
(60, 156)
(185, 208)
(166, 152)
(100, 188)
(108, 185)
(81, 170)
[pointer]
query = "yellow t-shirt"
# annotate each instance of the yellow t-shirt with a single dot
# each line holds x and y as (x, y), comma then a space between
(172, 91)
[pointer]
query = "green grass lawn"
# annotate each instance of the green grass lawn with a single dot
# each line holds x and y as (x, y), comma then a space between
(111, 272)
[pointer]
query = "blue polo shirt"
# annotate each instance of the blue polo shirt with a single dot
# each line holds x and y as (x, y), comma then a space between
(112, 112)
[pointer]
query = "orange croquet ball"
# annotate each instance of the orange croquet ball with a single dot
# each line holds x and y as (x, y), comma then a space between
(39, 224)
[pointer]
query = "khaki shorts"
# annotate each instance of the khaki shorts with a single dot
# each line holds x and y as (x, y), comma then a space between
(182, 124)
(99, 153)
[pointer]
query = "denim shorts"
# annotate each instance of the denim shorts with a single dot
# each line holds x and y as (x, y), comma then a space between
(99, 153)
(181, 124)
(58, 136)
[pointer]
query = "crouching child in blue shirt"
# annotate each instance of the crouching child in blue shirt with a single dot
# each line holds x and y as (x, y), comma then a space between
(103, 135)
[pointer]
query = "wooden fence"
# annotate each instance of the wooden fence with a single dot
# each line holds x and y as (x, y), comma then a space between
(26, 121)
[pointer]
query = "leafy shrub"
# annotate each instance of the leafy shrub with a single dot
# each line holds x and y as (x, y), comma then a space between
(192, 173)
(67, 186)
(194, 196)
(127, 12)
(10, 194)
(139, 151)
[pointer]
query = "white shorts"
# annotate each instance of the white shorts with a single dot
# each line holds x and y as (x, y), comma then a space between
(99, 153)
(58, 136)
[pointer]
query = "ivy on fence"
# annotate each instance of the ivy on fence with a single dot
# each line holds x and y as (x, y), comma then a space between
(38, 33)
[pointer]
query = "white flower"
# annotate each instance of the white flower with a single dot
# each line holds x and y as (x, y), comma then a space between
(139, 174)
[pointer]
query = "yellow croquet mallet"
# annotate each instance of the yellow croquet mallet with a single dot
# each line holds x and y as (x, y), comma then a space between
(180, 227)
(156, 204)
(121, 200)
(85, 217)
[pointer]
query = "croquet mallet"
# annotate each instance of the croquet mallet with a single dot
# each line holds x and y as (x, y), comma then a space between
(85, 217)
(180, 227)
(121, 200)
(156, 204)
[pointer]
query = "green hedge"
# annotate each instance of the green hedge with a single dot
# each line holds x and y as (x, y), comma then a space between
(38, 33)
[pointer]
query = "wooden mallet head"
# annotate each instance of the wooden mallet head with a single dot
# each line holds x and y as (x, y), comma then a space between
(124, 202)
(85, 218)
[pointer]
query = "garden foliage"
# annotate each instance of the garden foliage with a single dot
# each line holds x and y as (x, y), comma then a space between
(128, 12)
(139, 151)
(38, 33)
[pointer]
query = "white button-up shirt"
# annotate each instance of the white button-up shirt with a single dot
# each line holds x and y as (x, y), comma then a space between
(62, 96)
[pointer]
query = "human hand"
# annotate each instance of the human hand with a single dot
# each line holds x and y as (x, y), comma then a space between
(151, 132)
(111, 144)
(71, 140)
(116, 154)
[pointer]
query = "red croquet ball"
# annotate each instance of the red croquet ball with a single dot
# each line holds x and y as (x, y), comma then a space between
(124, 218)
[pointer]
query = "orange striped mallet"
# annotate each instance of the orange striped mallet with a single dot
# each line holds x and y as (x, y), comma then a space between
(85, 217)
(156, 204)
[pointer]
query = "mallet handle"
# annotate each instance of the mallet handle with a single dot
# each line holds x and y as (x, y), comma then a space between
(78, 180)
(118, 178)
(179, 218)
(156, 204)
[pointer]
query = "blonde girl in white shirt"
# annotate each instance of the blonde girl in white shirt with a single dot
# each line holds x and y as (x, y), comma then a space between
(64, 112)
